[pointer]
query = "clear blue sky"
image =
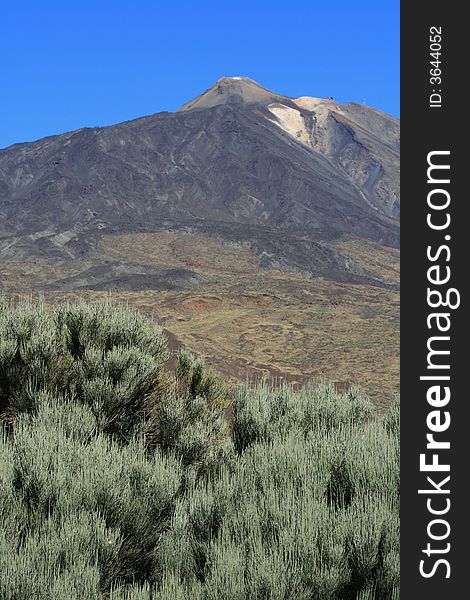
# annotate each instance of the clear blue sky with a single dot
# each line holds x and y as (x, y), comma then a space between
(84, 63)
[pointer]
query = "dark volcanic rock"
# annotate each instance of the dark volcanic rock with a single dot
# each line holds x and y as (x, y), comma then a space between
(236, 157)
(126, 277)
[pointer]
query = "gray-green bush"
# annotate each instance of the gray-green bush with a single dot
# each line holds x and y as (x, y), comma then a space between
(122, 480)
(310, 510)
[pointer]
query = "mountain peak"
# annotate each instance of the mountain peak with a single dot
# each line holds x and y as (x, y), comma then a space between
(233, 79)
(232, 90)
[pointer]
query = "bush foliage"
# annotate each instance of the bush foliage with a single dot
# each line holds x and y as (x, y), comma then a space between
(120, 479)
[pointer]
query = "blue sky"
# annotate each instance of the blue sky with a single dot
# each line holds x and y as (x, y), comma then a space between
(83, 63)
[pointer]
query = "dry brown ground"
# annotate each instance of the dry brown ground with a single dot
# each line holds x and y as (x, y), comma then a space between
(250, 323)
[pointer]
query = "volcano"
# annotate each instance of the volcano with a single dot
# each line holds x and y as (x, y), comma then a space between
(286, 177)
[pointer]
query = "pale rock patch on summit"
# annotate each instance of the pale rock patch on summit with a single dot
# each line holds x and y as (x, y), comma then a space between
(308, 103)
(313, 104)
(291, 120)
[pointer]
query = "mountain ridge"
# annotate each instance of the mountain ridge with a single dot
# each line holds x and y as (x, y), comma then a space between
(237, 156)
(262, 235)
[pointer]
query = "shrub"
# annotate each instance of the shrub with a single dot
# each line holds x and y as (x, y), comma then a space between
(190, 417)
(262, 413)
(108, 357)
(111, 358)
(310, 509)
(84, 480)
(120, 480)
(82, 497)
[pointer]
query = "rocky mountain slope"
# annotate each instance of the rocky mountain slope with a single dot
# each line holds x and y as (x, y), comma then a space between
(285, 177)
(261, 231)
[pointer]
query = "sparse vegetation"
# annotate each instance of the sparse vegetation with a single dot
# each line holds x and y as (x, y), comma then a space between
(247, 320)
(121, 480)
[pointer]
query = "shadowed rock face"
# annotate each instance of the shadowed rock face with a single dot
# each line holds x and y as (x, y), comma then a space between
(236, 160)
